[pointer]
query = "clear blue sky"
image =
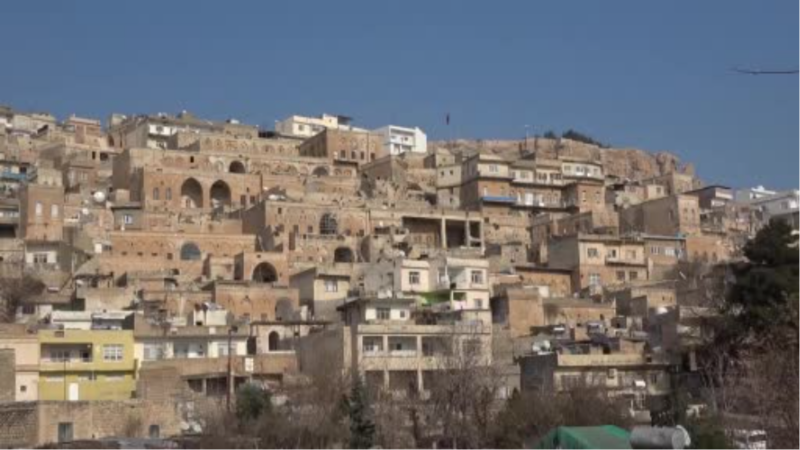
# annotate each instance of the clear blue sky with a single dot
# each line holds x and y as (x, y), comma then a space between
(630, 73)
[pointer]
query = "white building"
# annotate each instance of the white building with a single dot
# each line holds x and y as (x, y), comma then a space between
(779, 204)
(750, 194)
(305, 127)
(398, 140)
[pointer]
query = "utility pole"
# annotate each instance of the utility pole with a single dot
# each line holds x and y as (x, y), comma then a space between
(229, 393)
(527, 127)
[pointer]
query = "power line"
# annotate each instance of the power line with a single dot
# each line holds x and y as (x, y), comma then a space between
(765, 72)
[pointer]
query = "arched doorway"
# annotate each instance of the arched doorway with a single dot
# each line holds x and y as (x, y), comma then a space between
(273, 341)
(191, 194)
(220, 194)
(237, 167)
(265, 273)
(320, 172)
(328, 224)
(191, 252)
(343, 255)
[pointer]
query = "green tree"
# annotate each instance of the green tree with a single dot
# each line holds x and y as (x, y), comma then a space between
(580, 137)
(550, 134)
(359, 413)
(763, 302)
(252, 402)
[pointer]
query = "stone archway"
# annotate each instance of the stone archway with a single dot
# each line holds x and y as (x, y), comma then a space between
(191, 194)
(265, 273)
(220, 194)
(343, 255)
(320, 172)
(237, 167)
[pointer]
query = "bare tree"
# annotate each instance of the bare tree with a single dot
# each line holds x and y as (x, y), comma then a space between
(464, 395)
(15, 292)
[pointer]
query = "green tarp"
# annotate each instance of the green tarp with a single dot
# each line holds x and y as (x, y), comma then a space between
(605, 436)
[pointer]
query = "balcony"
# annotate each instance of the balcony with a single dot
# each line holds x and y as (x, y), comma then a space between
(538, 181)
(538, 203)
(13, 176)
(498, 199)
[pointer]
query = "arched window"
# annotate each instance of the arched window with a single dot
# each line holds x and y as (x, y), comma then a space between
(155, 194)
(190, 252)
(273, 341)
(328, 224)
(168, 194)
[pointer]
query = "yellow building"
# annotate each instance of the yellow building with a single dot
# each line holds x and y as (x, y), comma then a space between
(86, 365)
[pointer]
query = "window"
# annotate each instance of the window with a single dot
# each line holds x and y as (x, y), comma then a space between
(594, 279)
(112, 352)
(155, 194)
(222, 348)
(40, 258)
(402, 313)
(477, 277)
(127, 219)
(168, 194)
(383, 313)
(65, 432)
(57, 355)
(331, 286)
(153, 352)
(620, 275)
(413, 278)
(38, 208)
(478, 304)
(493, 168)
(633, 275)
(631, 254)
(592, 253)
(612, 253)
(53, 210)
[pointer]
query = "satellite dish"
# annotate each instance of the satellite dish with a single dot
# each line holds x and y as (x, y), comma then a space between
(85, 211)
(99, 197)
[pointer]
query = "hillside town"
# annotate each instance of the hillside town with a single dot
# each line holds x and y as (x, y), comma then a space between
(154, 267)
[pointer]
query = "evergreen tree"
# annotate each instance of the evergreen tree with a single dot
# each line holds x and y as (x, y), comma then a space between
(362, 427)
(763, 302)
(252, 402)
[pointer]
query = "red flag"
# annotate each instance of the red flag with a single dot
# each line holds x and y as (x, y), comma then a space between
(447, 119)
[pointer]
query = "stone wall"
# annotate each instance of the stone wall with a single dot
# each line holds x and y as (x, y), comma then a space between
(33, 424)
(8, 375)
